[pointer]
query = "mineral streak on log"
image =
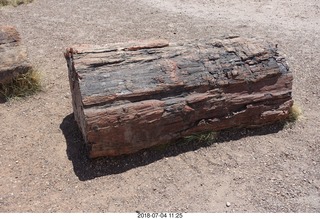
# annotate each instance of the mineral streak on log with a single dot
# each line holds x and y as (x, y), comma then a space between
(131, 96)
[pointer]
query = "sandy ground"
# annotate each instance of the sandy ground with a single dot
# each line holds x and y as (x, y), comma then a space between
(273, 169)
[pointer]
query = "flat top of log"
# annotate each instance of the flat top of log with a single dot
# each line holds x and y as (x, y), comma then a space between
(152, 68)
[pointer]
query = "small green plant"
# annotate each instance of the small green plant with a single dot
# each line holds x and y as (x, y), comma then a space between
(13, 2)
(205, 137)
(21, 86)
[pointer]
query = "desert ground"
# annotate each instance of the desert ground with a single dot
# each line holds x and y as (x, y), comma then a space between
(271, 169)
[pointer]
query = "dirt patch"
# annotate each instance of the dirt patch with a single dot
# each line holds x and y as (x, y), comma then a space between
(273, 169)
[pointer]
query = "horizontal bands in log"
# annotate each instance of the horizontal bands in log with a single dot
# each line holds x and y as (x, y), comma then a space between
(135, 95)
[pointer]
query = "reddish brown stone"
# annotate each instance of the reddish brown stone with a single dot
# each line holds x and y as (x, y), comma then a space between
(127, 97)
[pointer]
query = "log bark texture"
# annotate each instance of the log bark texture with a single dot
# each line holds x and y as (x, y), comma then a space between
(131, 96)
(13, 55)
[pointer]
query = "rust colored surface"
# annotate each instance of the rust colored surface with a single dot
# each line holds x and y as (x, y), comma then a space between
(127, 97)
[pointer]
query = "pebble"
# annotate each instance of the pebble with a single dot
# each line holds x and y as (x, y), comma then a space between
(228, 204)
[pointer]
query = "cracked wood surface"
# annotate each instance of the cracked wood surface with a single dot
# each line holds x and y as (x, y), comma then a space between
(136, 95)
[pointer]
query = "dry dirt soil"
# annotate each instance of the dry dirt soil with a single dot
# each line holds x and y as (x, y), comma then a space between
(271, 169)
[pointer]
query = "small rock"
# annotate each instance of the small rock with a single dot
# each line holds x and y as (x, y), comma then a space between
(228, 204)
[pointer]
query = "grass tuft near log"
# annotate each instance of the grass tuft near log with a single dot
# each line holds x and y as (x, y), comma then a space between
(295, 115)
(14, 2)
(17, 76)
(207, 138)
(22, 86)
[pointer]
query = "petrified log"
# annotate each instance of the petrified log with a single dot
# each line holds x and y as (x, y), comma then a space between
(131, 96)
(13, 55)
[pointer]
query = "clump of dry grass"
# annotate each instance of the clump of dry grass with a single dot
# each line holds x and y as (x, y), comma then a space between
(13, 2)
(21, 86)
(295, 113)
